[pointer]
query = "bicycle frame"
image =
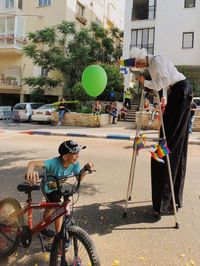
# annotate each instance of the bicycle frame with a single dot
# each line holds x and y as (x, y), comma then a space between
(60, 210)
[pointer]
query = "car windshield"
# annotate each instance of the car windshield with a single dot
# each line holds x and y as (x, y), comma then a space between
(46, 106)
(36, 105)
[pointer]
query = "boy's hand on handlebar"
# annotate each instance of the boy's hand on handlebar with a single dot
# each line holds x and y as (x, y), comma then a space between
(32, 177)
(88, 167)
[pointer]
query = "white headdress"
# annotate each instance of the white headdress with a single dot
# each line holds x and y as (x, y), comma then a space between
(138, 53)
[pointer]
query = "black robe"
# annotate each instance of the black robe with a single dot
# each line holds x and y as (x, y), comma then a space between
(176, 121)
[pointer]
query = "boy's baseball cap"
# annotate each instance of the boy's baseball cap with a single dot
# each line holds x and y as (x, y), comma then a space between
(70, 146)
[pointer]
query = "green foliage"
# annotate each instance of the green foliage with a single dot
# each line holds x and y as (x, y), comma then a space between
(79, 93)
(114, 84)
(41, 82)
(38, 86)
(37, 95)
(65, 49)
(86, 109)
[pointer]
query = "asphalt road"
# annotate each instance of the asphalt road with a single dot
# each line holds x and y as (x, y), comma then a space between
(135, 240)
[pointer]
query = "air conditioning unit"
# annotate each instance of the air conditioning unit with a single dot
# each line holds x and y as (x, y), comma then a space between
(81, 18)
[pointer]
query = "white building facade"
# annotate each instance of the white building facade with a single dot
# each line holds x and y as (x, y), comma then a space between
(171, 28)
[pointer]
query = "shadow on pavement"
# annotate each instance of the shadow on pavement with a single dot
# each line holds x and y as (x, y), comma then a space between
(105, 217)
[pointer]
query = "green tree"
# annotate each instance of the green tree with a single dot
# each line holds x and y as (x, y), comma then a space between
(64, 49)
(114, 84)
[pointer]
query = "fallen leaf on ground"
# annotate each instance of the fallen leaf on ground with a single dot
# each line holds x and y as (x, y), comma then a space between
(46, 256)
(115, 263)
(182, 255)
(192, 263)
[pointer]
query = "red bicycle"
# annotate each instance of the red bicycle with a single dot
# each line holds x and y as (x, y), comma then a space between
(71, 246)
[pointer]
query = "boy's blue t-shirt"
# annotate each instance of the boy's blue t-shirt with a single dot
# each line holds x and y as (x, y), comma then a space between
(54, 166)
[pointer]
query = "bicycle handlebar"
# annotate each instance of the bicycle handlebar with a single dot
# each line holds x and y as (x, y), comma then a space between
(59, 181)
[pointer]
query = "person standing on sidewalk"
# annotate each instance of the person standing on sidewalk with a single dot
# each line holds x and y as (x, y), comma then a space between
(62, 107)
(192, 111)
(127, 98)
(176, 121)
(96, 109)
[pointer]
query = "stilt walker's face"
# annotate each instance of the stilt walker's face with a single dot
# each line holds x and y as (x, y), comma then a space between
(141, 63)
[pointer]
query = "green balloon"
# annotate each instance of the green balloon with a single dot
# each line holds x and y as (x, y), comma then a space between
(94, 80)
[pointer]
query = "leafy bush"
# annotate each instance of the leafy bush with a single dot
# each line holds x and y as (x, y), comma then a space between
(78, 93)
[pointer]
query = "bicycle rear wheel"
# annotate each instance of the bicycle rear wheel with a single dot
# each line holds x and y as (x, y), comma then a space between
(79, 250)
(9, 229)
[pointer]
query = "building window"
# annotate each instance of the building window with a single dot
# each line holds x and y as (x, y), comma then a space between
(44, 71)
(143, 38)
(80, 9)
(10, 3)
(145, 9)
(189, 3)
(188, 40)
(44, 2)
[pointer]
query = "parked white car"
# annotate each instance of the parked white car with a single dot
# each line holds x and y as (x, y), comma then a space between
(4, 110)
(23, 111)
(43, 113)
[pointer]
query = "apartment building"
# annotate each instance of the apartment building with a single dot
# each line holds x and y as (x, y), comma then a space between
(171, 28)
(18, 17)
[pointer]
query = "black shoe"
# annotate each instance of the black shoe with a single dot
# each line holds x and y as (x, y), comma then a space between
(156, 215)
(48, 233)
(169, 211)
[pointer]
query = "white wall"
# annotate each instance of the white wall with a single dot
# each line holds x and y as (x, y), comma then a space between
(172, 19)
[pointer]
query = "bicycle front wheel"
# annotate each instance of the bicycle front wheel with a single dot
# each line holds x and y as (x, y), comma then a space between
(9, 226)
(79, 250)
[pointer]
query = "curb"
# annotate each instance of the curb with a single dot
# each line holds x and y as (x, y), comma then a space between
(95, 135)
(90, 135)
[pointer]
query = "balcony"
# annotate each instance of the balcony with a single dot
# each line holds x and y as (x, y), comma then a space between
(10, 78)
(12, 34)
(141, 13)
(11, 44)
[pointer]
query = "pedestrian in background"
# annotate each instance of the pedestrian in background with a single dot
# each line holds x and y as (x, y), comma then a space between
(127, 98)
(192, 111)
(62, 108)
(96, 109)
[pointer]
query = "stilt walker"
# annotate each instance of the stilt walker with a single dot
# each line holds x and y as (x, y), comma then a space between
(134, 156)
(167, 178)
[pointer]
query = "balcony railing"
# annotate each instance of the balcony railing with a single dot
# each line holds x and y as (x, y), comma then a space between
(12, 41)
(149, 47)
(144, 13)
(10, 76)
(80, 18)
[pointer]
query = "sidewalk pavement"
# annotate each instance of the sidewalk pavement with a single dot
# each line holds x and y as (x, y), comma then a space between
(121, 130)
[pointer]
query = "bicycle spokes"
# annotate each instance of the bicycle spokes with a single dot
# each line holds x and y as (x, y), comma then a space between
(74, 253)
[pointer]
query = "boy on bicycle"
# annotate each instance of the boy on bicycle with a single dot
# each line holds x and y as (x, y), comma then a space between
(65, 164)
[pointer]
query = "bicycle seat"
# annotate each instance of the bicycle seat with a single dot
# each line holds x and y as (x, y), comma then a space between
(27, 187)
